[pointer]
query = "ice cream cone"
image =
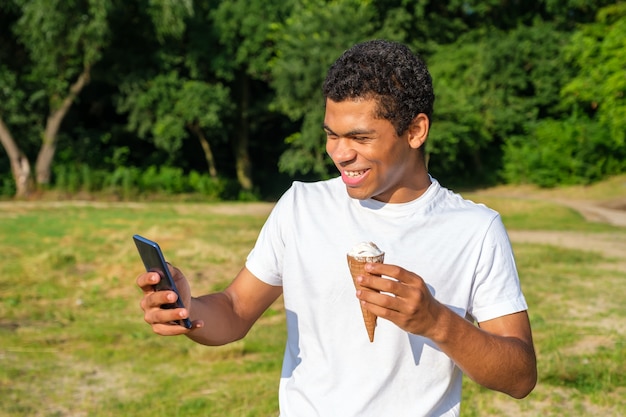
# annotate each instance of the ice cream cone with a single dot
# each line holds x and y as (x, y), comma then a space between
(357, 265)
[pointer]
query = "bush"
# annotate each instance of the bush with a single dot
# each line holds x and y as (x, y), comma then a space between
(129, 182)
(72, 178)
(7, 186)
(164, 179)
(124, 181)
(206, 185)
(555, 152)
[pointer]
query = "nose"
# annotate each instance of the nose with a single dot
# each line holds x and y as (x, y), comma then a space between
(340, 150)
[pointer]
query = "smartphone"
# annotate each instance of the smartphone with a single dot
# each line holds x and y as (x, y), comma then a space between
(154, 261)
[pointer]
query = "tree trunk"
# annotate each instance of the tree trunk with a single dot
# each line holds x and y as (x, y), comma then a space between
(53, 123)
(208, 153)
(20, 167)
(240, 143)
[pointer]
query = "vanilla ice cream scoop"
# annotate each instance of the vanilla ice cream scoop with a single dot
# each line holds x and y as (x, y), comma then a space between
(365, 249)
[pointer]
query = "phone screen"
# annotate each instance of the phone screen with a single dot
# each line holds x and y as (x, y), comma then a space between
(154, 261)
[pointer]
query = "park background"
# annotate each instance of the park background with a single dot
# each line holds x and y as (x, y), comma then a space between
(223, 98)
(122, 117)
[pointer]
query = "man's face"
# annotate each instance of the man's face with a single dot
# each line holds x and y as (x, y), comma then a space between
(373, 160)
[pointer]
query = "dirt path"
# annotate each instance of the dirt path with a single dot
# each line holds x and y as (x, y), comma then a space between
(613, 212)
(609, 245)
(612, 245)
(593, 208)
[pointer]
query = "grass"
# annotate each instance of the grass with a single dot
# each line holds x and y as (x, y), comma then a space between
(529, 214)
(73, 341)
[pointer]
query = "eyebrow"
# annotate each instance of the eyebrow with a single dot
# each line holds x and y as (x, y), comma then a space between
(354, 132)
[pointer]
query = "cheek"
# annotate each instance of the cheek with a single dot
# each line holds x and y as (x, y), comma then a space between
(329, 148)
(394, 162)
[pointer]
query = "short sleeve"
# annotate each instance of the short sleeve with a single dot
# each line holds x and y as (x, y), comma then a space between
(497, 290)
(266, 259)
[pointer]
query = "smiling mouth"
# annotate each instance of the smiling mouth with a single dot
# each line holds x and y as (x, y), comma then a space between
(354, 178)
(354, 174)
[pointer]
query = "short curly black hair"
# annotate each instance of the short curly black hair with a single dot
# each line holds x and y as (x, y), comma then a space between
(387, 72)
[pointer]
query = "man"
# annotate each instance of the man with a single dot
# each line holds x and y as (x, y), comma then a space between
(448, 263)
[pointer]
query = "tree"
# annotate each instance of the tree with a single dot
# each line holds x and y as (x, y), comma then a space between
(58, 43)
(208, 79)
(479, 107)
(490, 85)
(589, 143)
(598, 50)
(168, 109)
(314, 35)
(247, 33)
(10, 96)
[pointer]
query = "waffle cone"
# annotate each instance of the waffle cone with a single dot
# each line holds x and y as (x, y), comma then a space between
(357, 267)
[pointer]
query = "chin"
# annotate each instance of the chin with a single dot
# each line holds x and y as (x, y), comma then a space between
(358, 194)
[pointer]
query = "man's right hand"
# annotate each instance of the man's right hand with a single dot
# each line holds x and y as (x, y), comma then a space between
(162, 320)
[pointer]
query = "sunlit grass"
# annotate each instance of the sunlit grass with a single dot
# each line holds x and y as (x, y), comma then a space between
(534, 214)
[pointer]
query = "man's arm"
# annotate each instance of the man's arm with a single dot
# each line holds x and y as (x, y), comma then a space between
(498, 355)
(229, 315)
(217, 318)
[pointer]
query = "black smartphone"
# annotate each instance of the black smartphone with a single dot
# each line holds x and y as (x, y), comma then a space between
(154, 261)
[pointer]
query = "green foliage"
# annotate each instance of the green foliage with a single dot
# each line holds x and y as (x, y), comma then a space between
(7, 186)
(247, 31)
(598, 51)
(242, 79)
(206, 185)
(490, 85)
(62, 37)
(10, 95)
(129, 183)
(164, 179)
(562, 152)
(168, 17)
(124, 181)
(164, 107)
(311, 39)
(591, 144)
(72, 178)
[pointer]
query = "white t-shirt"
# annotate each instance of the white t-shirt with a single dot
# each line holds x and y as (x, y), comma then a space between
(330, 368)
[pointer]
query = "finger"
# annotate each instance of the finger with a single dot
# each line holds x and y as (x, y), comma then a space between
(386, 313)
(156, 299)
(172, 327)
(156, 316)
(380, 284)
(376, 301)
(401, 296)
(389, 293)
(392, 271)
(169, 329)
(147, 280)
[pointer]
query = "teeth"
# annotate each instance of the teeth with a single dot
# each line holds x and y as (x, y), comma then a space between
(354, 173)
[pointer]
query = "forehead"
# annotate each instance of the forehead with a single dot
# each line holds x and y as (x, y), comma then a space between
(349, 113)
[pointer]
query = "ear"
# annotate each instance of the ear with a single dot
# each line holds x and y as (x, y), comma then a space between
(418, 131)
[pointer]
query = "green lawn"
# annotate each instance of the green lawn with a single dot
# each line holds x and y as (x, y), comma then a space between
(73, 341)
